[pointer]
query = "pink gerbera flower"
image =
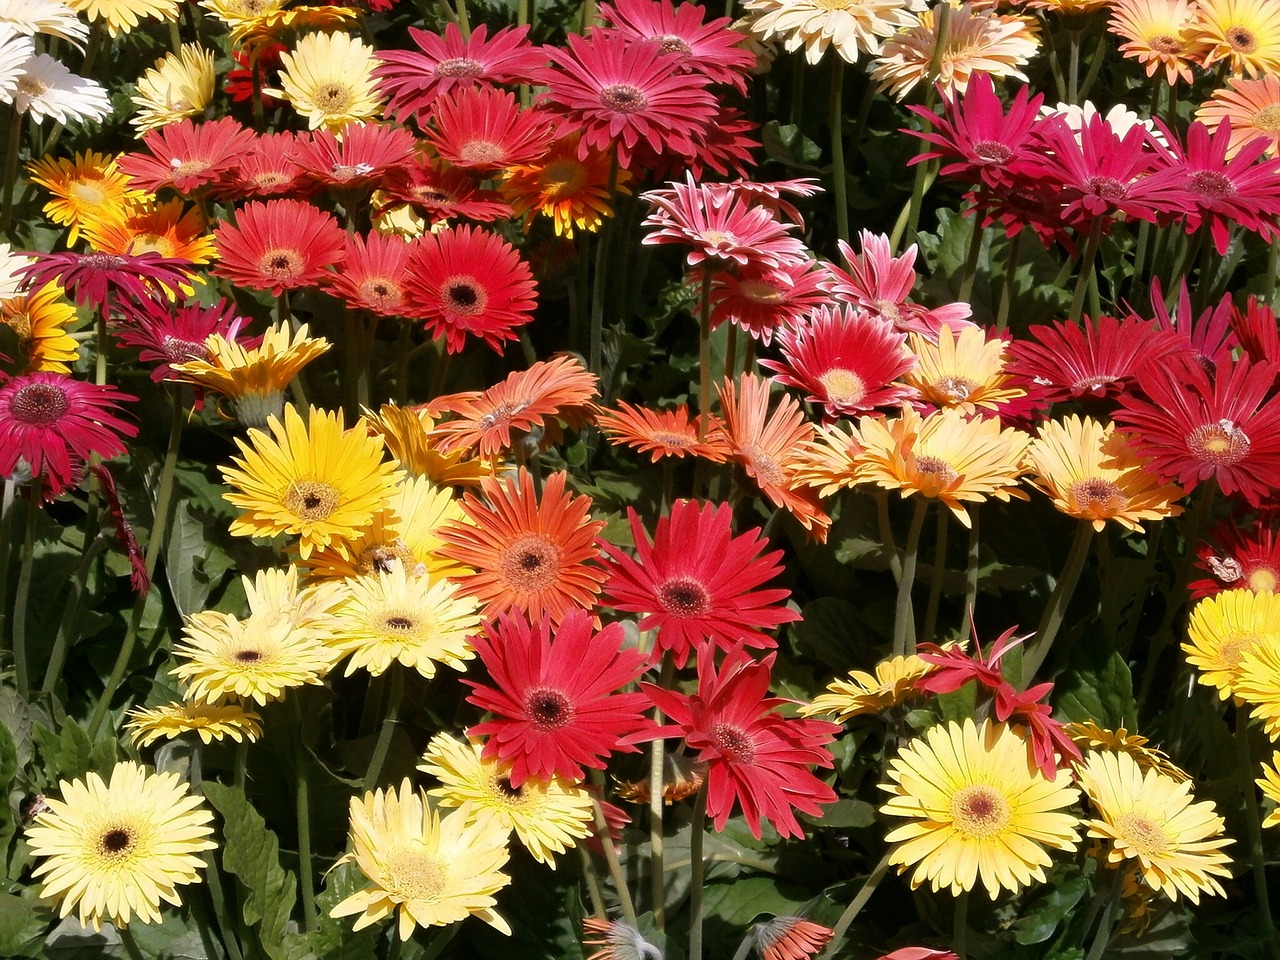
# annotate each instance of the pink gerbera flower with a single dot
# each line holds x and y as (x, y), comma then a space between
(362, 156)
(374, 274)
(268, 169)
(761, 300)
(712, 49)
(696, 582)
(1207, 335)
(187, 156)
(555, 701)
(52, 423)
(622, 94)
(466, 280)
(756, 759)
(106, 280)
(846, 360)
(441, 193)
(278, 245)
(484, 129)
(163, 334)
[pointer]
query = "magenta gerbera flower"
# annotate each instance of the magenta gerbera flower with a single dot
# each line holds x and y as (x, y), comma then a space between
(712, 49)
(485, 129)
(761, 300)
(697, 583)
(1256, 329)
(555, 701)
(164, 334)
(1240, 555)
(363, 155)
(187, 156)
(107, 280)
(52, 423)
(622, 94)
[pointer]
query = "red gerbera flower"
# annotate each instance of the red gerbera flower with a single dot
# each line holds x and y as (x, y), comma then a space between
(1048, 739)
(52, 423)
(755, 758)
(107, 280)
(239, 81)
(1193, 427)
(761, 300)
(186, 155)
(1207, 335)
(444, 194)
(727, 147)
(845, 360)
(556, 701)
(412, 80)
(267, 170)
(484, 129)
(711, 49)
(622, 94)
(278, 245)
(466, 280)
(696, 582)
(165, 335)
(374, 274)
(1238, 556)
(139, 579)
(1256, 329)
(363, 155)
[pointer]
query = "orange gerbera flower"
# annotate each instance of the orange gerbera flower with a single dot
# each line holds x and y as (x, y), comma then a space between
(1160, 33)
(557, 388)
(529, 555)
(572, 190)
(163, 228)
(663, 433)
(1252, 107)
(830, 462)
(767, 445)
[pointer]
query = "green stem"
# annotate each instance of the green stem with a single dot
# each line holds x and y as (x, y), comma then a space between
(593, 883)
(1073, 66)
(6, 548)
(240, 764)
(744, 948)
(130, 944)
(855, 906)
(610, 854)
(1086, 269)
(21, 596)
(1100, 940)
(388, 729)
(1257, 858)
(1010, 275)
(960, 927)
(439, 371)
(971, 573)
(886, 535)
(657, 873)
(939, 568)
(1056, 610)
(599, 281)
(969, 274)
(1095, 65)
(11, 169)
(303, 797)
(697, 866)
(464, 23)
(1055, 62)
(225, 920)
(904, 625)
(70, 613)
(836, 124)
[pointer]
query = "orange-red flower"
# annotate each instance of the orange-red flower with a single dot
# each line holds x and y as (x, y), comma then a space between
(663, 433)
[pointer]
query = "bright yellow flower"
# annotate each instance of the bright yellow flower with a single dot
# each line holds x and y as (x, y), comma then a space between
(1245, 33)
(122, 16)
(1159, 33)
(1223, 628)
(408, 435)
(89, 185)
(1089, 736)
(1269, 782)
(892, 683)
(963, 369)
(40, 321)
(1258, 684)
(210, 721)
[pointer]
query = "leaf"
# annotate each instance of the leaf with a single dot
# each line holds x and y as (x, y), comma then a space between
(188, 582)
(252, 853)
(831, 631)
(1098, 686)
(69, 754)
(22, 926)
(334, 939)
(8, 775)
(1038, 923)
(786, 144)
(846, 814)
(742, 900)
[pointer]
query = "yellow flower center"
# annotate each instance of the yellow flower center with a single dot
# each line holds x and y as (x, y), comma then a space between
(833, 4)
(562, 178)
(1220, 443)
(333, 97)
(531, 563)
(979, 810)
(15, 314)
(311, 499)
(482, 152)
(843, 386)
(32, 87)
(1235, 646)
(766, 467)
(153, 243)
(1142, 833)
(414, 875)
(87, 192)
(381, 557)
(1268, 118)
(1164, 43)
(381, 292)
(761, 291)
(1097, 498)
(1264, 578)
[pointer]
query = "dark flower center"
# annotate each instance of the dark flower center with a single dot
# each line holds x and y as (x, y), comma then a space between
(464, 295)
(398, 624)
(248, 656)
(624, 98)
(1108, 188)
(116, 841)
(530, 564)
(39, 403)
(684, 597)
(459, 67)
(548, 709)
(1241, 40)
(992, 151)
(733, 743)
(1164, 43)
(381, 294)
(311, 500)
(505, 788)
(103, 261)
(281, 264)
(1212, 184)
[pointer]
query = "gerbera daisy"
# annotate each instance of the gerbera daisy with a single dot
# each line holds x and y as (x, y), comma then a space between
(763, 300)
(1194, 428)
(409, 435)
(170, 229)
(87, 185)
(1245, 33)
(555, 701)
(483, 129)
(790, 938)
(12, 265)
(39, 321)
(663, 433)
(1153, 819)
(524, 401)
(375, 273)
(439, 192)
(357, 155)
(1091, 473)
(186, 155)
(708, 48)
(394, 615)
(165, 335)
(696, 583)
(528, 554)
(413, 79)
(1239, 556)
(756, 759)
(1160, 33)
(857, 26)
(16, 50)
(1258, 683)
(1089, 736)
(267, 169)
(1269, 782)
(548, 816)
(618, 939)
(980, 809)
(571, 189)
(328, 78)
(262, 59)
(51, 422)
(274, 594)
(48, 89)
(1251, 107)
(278, 245)
(621, 94)
(108, 280)
(268, 26)
(115, 850)
(122, 16)
(1226, 192)
(179, 85)
(1225, 627)
(427, 870)
(315, 479)
(212, 722)
(48, 17)
(467, 280)
(893, 682)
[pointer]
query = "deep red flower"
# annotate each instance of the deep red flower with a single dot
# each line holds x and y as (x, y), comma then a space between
(467, 281)
(278, 245)
(139, 579)
(727, 147)
(1237, 555)
(712, 48)
(622, 94)
(485, 129)
(755, 758)
(696, 582)
(761, 300)
(556, 702)
(187, 156)
(1193, 427)
(1046, 735)
(374, 274)
(1256, 329)
(1208, 335)
(441, 193)
(239, 81)
(363, 155)
(164, 334)
(53, 423)
(953, 667)
(106, 280)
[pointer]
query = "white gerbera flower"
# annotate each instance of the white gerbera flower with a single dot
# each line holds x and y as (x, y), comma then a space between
(30, 17)
(15, 51)
(48, 89)
(10, 262)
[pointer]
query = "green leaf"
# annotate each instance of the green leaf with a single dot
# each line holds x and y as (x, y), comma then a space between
(22, 926)
(786, 144)
(334, 939)
(183, 568)
(252, 853)
(1098, 686)
(70, 754)
(831, 631)
(742, 900)
(8, 775)
(1042, 918)
(846, 814)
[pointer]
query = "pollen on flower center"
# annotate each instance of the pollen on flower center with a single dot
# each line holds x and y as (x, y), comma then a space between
(1142, 833)
(530, 564)
(463, 295)
(32, 87)
(955, 389)
(381, 558)
(685, 597)
(1263, 578)
(1164, 43)
(1236, 645)
(19, 321)
(460, 67)
(116, 843)
(482, 151)
(624, 98)
(563, 177)
(548, 709)
(733, 743)
(979, 810)
(1096, 384)
(177, 350)
(311, 499)
(39, 403)
(992, 151)
(88, 193)
(1108, 188)
(412, 875)
(1220, 443)
(1097, 497)
(188, 168)
(247, 656)
(843, 386)
(398, 623)
(761, 291)
(281, 264)
(670, 43)
(333, 97)
(1212, 184)
(672, 439)
(382, 292)
(766, 467)
(104, 261)
(1241, 40)
(933, 474)
(1268, 118)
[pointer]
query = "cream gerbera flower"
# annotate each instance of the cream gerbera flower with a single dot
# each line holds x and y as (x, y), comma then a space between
(48, 89)
(48, 17)
(114, 851)
(851, 26)
(963, 369)
(892, 683)
(210, 721)
(548, 816)
(177, 86)
(980, 809)
(1153, 819)
(1225, 627)
(11, 284)
(429, 871)
(328, 78)
(122, 16)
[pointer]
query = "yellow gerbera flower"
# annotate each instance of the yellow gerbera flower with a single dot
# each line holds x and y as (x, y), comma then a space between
(115, 850)
(964, 370)
(1153, 819)
(429, 871)
(1087, 735)
(571, 190)
(830, 460)
(408, 435)
(1091, 473)
(328, 78)
(1258, 684)
(892, 683)
(980, 808)
(40, 321)
(1223, 628)
(121, 16)
(254, 22)
(210, 721)
(89, 185)
(151, 227)
(1245, 33)
(1269, 782)
(179, 85)
(944, 456)
(314, 479)
(548, 816)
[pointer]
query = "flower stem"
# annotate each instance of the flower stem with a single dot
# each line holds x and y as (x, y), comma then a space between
(970, 270)
(1258, 860)
(1095, 65)
(855, 905)
(935, 586)
(1103, 936)
(70, 613)
(130, 945)
(1056, 610)
(11, 169)
(302, 793)
(225, 920)
(6, 533)
(657, 873)
(960, 927)
(611, 855)
(971, 573)
(388, 729)
(593, 884)
(836, 124)
(704, 354)
(1086, 269)
(1073, 66)
(1010, 274)
(21, 596)
(697, 865)
(603, 244)
(904, 625)
(886, 535)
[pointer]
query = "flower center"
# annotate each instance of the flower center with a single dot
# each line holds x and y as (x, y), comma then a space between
(1212, 184)
(116, 843)
(39, 403)
(1268, 118)
(333, 97)
(733, 743)
(1221, 443)
(103, 261)
(677, 440)
(979, 810)
(670, 43)
(483, 153)
(463, 295)
(685, 597)
(890, 310)
(1164, 43)
(767, 469)
(624, 98)
(562, 178)
(311, 499)
(1263, 578)
(512, 796)
(18, 317)
(247, 656)
(32, 87)
(187, 168)
(1235, 646)
(1097, 498)
(762, 291)
(1142, 833)
(382, 557)
(176, 350)
(412, 875)
(954, 389)
(398, 623)
(843, 386)
(530, 564)
(1108, 188)
(88, 193)
(381, 294)
(281, 264)
(933, 474)
(460, 67)
(548, 709)
(1097, 384)
(1241, 40)
(992, 151)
